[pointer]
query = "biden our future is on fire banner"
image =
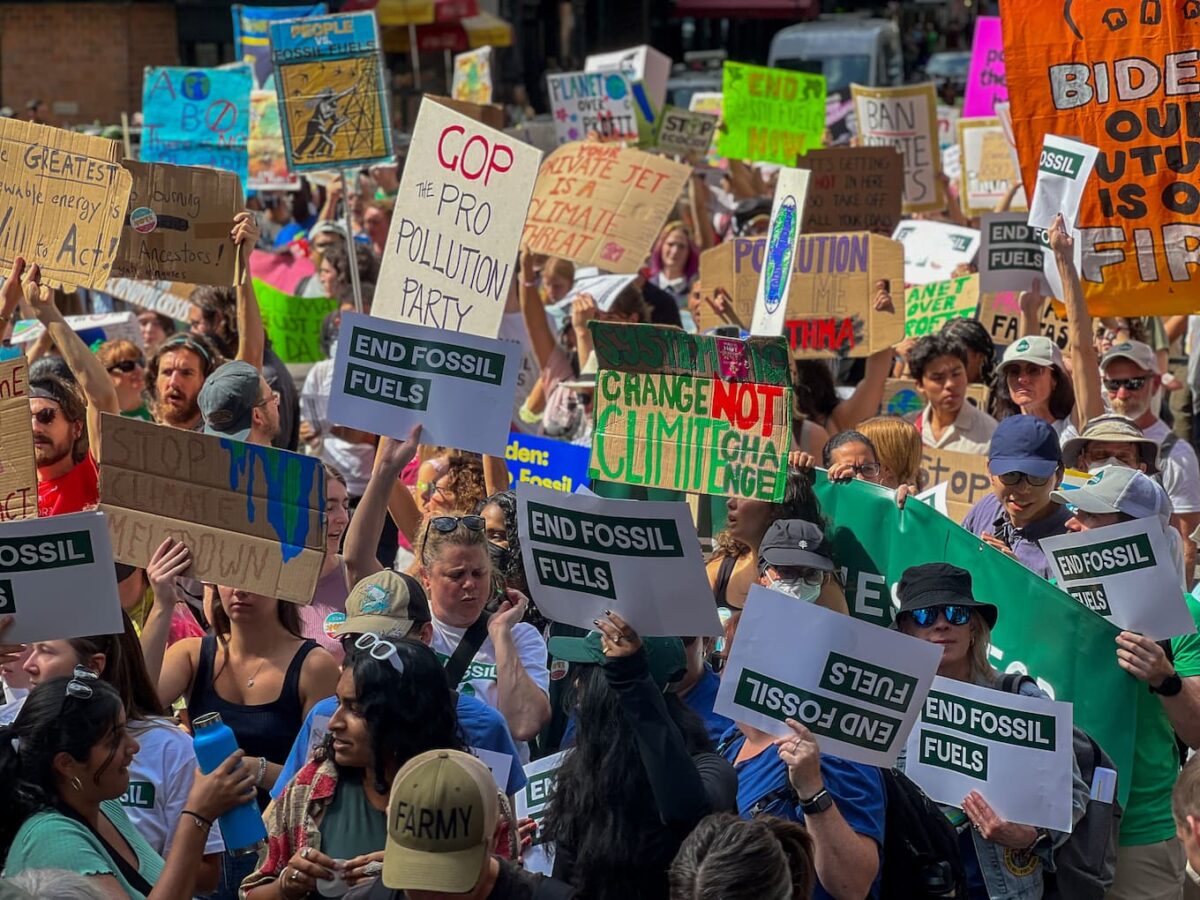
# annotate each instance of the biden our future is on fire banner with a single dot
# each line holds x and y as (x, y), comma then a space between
(691, 412)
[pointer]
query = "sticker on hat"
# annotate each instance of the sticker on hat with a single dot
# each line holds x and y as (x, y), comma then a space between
(333, 624)
(558, 669)
(1022, 345)
(377, 602)
(143, 219)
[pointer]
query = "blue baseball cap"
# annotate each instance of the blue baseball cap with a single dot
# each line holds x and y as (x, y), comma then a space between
(1024, 444)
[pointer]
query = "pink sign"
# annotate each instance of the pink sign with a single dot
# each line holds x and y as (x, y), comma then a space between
(986, 85)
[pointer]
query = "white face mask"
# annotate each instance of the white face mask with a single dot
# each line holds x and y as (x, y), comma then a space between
(1193, 874)
(1111, 461)
(796, 587)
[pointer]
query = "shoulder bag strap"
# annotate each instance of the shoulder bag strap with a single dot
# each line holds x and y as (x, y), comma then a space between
(136, 879)
(724, 575)
(472, 640)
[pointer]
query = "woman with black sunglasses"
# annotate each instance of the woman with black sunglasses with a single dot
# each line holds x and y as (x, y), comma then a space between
(127, 368)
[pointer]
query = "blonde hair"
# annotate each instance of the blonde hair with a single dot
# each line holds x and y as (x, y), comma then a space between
(556, 265)
(117, 351)
(977, 655)
(897, 445)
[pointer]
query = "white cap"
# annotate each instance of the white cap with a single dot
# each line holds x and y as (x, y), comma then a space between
(1036, 349)
(1118, 489)
(1136, 352)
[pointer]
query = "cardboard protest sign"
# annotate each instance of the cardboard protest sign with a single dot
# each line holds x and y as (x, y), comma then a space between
(1014, 750)
(251, 32)
(490, 114)
(93, 329)
(267, 159)
(159, 296)
(986, 84)
(685, 134)
(546, 463)
(333, 95)
(18, 472)
(1124, 572)
(531, 803)
(853, 189)
(641, 65)
(905, 118)
(293, 323)
(858, 688)
(1001, 316)
(928, 307)
(197, 117)
(1004, 113)
(770, 115)
(902, 398)
(65, 198)
(57, 578)
(178, 224)
(585, 554)
(253, 517)
(947, 126)
(709, 103)
(691, 412)
(1010, 253)
(388, 376)
(597, 105)
(1064, 167)
(453, 242)
(783, 233)
(966, 473)
(472, 80)
(987, 173)
(1119, 82)
(831, 299)
(602, 205)
(933, 250)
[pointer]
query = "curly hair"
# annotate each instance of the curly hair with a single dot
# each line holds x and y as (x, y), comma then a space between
(974, 336)
(931, 347)
(339, 259)
(466, 480)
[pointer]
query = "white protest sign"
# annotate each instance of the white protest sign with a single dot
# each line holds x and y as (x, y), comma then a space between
(1010, 253)
(770, 303)
(933, 250)
(947, 125)
(93, 327)
(388, 376)
(856, 686)
(531, 803)
(157, 296)
(906, 118)
(686, 134)
(453, 243)
(1125, 573)
(592, 103)
(604, 289)
(936, 497)
(57, 578)
(1016, 751)
(644, 64)
(1063, 170)
(499, 764)
(1004, 113)
(584, 555)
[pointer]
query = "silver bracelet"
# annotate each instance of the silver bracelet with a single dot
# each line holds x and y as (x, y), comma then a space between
(262, 771)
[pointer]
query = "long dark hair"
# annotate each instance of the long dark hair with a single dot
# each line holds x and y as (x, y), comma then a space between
(813, 391)
(1062, 396)
(289, 618)
(124, 669)
(406, 713)
(602, 807)
(49, 723)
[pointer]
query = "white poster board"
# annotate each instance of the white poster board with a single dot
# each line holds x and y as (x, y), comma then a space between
(787, 212)
(642, 559)
(587, 104)
(932, 250)
(1063, 170)
(641, 63)
(388, 376)
(1010, 253)
(499, 764)
(117, 326)
(857, 687)
(531, 803)
(1015, 751)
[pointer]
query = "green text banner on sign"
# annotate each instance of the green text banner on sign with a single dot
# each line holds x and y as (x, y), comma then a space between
(691, 412)
(1070, 651)
(293, 323)
(770, 115)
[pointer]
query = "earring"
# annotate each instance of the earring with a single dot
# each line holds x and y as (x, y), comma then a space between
(76, 783)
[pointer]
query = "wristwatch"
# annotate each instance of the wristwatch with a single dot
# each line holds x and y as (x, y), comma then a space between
(1169, 686)
(817, 803)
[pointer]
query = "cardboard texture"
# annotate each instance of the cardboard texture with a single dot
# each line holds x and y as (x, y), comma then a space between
(710, 103)
(641, 65)
(602, 205)
(905, 118)
(490, 114)
(853, 189)
(472, 80)
(901, 398)
(927, 307)
(452, 248)
(831, 298)
(65, 197)
(333, 96)
(253, 517)
(178, 224)
(597, 105)
(987, 172)
(268, 169)
(770, 115)
(197, 117)
(686, 134)
(965, 473)
(251, 32)
(18, 472)
(986, 84)
(1000, 314)
(164, 297)
(691, 412)
(1137, 230)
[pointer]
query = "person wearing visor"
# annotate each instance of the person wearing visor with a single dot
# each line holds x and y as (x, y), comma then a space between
(1111, 440)
(795, 559)
(236, 402)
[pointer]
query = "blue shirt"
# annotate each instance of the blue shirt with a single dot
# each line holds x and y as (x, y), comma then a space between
(481, 725)
(856, 789)
(700, 700)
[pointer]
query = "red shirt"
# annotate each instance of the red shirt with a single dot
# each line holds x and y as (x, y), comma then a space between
(74, 492)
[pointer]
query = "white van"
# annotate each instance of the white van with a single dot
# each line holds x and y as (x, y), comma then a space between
(844, 49)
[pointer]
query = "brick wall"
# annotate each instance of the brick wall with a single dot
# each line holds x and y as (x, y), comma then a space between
(91, 54)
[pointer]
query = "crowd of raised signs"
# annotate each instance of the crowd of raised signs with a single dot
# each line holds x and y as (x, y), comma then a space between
(619, 522)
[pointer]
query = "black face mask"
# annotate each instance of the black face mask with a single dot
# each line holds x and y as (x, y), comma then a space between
(501, 556)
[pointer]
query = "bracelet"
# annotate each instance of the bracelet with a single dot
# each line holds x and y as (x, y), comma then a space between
(201, 821)
(262, 771)
(528, 283)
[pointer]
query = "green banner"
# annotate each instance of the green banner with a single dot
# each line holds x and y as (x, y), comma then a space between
(293, 323)
(1041, 630)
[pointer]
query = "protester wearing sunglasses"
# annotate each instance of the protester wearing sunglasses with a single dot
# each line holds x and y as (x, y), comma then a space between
(127, 368)
(1025, 464)
(1002, 859)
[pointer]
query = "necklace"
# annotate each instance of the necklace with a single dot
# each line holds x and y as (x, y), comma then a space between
(250, 680)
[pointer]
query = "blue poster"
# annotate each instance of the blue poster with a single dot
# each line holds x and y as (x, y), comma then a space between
(197, 117)
(546, 463)
(251, 32)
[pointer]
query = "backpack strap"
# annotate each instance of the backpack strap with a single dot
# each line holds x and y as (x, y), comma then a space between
(728, 742)
(1010, 682)
(472, 640)
(724, 575)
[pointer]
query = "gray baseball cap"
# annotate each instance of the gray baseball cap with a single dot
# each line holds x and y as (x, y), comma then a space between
(795, 542)
(1036, 349)
(228, 398)
(1118, 489)
(1141, 355)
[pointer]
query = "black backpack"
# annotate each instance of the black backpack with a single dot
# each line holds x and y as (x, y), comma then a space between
(1086, 864)
(920, 846)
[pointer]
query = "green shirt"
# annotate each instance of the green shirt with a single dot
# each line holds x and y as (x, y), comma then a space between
(142, 412)
(351, 826)
(50, 840)
(1147, 818)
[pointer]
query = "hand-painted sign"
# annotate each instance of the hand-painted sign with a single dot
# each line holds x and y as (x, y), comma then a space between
(933, 250)
(853, 189)
(293, 323)
(987, 172)
(930, 306)
(1000, 314)
(18, 473)
(686, 134)
(251, 32)
(592, 104)
(783, 233)
(905, 118)
(472, 80)
(986, 85)
(966, 473)
(163, 297)
(267, 158)
(770, 115)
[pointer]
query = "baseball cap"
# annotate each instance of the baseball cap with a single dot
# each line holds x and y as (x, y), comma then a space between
(1112, 428)
(228, 398)
(1024, 444)
(664, 655)
(385, 602)
(1136, 352)
(795, 542)
(1036, 349)
(442, 816)
(940, 584)
(1119, 489)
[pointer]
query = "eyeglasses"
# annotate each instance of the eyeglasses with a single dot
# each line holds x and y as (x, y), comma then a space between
(127, 365)
(1112, 385)
(927, 617)
(1014, 478)
(381, 649)
(274, 398)
(80, 685)
(46, 415)
(867, 470)
(811, 577)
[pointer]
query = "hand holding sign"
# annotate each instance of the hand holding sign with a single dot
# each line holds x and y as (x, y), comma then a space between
(1143, 658)
(802, 756)
(617, 637)
(993, 828)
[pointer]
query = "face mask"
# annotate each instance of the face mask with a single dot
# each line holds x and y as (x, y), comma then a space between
(1111, 461)
(500, 556)
(798, 588)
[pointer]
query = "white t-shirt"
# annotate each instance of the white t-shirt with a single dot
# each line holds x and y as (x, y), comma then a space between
(160, 778)
(1180, 470)
(353, 460)
(512, 328)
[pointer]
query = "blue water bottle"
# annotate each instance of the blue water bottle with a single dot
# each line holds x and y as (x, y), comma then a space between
(242, 827)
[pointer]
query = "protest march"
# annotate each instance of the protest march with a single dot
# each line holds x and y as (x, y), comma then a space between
(716, 463)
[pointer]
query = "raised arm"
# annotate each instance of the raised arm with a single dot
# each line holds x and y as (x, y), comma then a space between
(534, 313)
(1085, 364)
(868, 394)
(252, 338)
(495, 474)
(362, 537)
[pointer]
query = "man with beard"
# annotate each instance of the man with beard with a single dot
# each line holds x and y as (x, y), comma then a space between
(237, 403)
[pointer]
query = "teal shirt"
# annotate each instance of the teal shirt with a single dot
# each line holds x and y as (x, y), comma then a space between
(49, 840)
(351, 826)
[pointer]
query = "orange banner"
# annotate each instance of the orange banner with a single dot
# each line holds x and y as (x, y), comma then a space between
(1121, 77)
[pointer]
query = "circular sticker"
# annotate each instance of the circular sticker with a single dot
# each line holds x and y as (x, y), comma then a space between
(615, 87)
(195, 86)
(143, 219)
(558, 669)
(333, 622)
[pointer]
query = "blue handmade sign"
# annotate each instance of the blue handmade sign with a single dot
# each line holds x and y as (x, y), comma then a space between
(546, 463)
(252, 37)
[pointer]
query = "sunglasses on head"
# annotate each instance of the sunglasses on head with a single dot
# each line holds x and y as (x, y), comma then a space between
(447, 524)
(127, 365)
(380, 649)
(80, 685)
(1014, 478)
(927, 617)
(1112, 385)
